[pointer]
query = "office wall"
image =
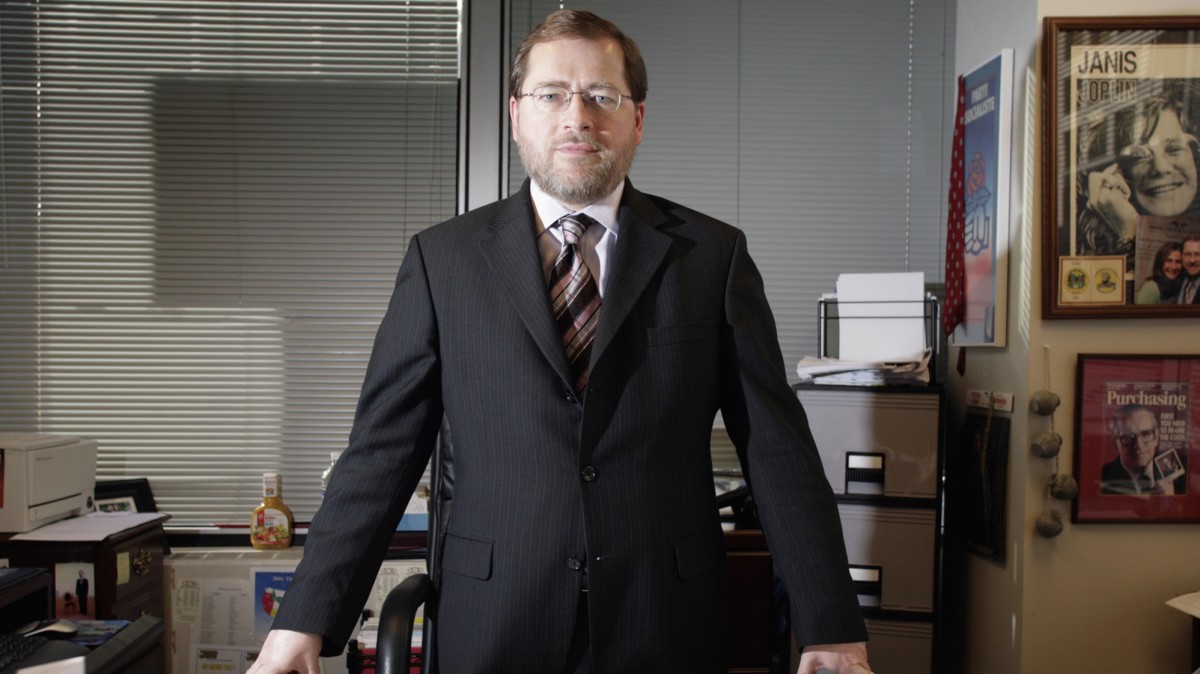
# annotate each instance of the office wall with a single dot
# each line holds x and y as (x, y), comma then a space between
(1091, 599)
(983, 599)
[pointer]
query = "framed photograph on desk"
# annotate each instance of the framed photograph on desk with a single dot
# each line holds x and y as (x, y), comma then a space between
(126, 496)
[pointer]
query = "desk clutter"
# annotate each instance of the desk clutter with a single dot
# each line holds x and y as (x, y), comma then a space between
(100, 646)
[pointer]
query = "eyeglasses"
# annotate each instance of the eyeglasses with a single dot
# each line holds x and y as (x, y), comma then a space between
(552, 98)
(1129, 438)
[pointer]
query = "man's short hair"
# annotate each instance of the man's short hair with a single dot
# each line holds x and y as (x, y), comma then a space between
(573, 23)
(1125, 412)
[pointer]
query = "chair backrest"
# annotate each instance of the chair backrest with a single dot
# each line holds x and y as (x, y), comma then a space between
(441, 499)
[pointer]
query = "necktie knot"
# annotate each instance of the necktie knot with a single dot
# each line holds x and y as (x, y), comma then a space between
(573, 226)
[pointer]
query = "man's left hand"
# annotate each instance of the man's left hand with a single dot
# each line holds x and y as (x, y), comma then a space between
(839, 658)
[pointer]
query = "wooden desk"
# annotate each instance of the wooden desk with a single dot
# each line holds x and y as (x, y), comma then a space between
(127, 568)
(753, 648)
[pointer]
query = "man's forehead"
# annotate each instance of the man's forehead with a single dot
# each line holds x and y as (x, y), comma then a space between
(554, 58)
(1141, 418)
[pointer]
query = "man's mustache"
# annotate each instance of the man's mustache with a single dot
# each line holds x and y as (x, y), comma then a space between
(581, 139)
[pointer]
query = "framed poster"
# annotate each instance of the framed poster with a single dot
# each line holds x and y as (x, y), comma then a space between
(1137, 439)
(987, 143)
(1121, 226)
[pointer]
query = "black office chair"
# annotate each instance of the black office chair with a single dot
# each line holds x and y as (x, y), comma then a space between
(393, 650)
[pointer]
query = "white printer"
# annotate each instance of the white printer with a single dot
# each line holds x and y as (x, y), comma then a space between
(45, 478)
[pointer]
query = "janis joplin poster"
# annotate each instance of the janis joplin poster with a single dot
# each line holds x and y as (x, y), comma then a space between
(1122, 196)
(987, 122)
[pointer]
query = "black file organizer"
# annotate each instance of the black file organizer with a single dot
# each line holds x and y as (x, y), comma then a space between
(829, 324)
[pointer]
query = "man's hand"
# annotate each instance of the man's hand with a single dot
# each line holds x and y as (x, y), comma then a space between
(839, 658)
(286, 651)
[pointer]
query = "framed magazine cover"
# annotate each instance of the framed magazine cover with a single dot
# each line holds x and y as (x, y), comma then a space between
(1137, 439)
(1121, 199)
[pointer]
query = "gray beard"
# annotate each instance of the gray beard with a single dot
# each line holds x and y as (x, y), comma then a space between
(597, 182)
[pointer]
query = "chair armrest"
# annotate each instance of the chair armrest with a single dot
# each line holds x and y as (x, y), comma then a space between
(393, 651)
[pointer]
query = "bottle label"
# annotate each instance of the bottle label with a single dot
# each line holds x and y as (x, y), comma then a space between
(270, 527)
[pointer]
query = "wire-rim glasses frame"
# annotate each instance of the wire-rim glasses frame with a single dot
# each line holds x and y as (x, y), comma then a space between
(555, 98)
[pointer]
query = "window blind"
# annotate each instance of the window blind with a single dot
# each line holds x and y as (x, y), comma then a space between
(820, 133)
(204, 207)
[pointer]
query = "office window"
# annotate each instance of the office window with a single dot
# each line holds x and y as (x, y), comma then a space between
(204, 207)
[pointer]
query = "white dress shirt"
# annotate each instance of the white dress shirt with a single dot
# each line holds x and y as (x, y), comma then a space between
(598, 242)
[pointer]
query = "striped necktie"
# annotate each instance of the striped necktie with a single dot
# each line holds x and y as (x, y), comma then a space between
(1187, 295)
(575, 298)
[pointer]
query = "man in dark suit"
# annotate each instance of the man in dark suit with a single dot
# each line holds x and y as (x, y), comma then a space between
(584, 535)
(1189, 292)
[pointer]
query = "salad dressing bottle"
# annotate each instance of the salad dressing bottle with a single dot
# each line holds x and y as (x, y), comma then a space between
(272, 525)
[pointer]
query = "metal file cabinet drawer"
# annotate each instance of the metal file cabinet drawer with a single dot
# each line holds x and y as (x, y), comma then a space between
(876, 443)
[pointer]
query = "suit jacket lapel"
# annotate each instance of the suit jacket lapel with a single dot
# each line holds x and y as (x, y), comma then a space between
(512, 252)
(640, 250)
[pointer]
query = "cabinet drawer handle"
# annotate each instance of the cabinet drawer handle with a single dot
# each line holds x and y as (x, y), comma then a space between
(141, 562)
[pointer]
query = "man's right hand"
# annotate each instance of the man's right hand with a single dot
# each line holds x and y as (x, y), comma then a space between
(286, 651)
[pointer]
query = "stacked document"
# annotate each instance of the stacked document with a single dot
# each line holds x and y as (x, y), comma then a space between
(881, 333)
(864, 373)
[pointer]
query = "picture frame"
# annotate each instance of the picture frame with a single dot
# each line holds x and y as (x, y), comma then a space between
(1113, 222)
(987, 151)
(131, 495)
(1137, 438)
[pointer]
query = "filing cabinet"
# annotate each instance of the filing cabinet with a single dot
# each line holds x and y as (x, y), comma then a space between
(882, 451)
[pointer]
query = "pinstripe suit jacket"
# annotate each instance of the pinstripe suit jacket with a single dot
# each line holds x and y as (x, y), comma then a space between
(622, 478)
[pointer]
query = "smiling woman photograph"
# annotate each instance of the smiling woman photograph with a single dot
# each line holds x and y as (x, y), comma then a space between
(1163, 284)
(1138, 160)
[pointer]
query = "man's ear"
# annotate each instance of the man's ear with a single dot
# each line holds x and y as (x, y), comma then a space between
(639, 117)
(514, 109)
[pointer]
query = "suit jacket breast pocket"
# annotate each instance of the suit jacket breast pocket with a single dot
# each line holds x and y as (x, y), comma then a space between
(678, 333)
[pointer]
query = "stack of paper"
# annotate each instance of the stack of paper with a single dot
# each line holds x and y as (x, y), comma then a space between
(881, 317)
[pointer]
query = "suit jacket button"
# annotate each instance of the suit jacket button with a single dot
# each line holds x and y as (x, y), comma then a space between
(590, 474)
(571, 397)
(574, 564)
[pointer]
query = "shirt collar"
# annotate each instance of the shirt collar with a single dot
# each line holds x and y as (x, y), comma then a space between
(604, 211)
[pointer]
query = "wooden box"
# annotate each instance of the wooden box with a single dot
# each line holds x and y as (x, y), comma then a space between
(127, 568)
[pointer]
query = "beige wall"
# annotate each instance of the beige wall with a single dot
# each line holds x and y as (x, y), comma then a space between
(1091, 599)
